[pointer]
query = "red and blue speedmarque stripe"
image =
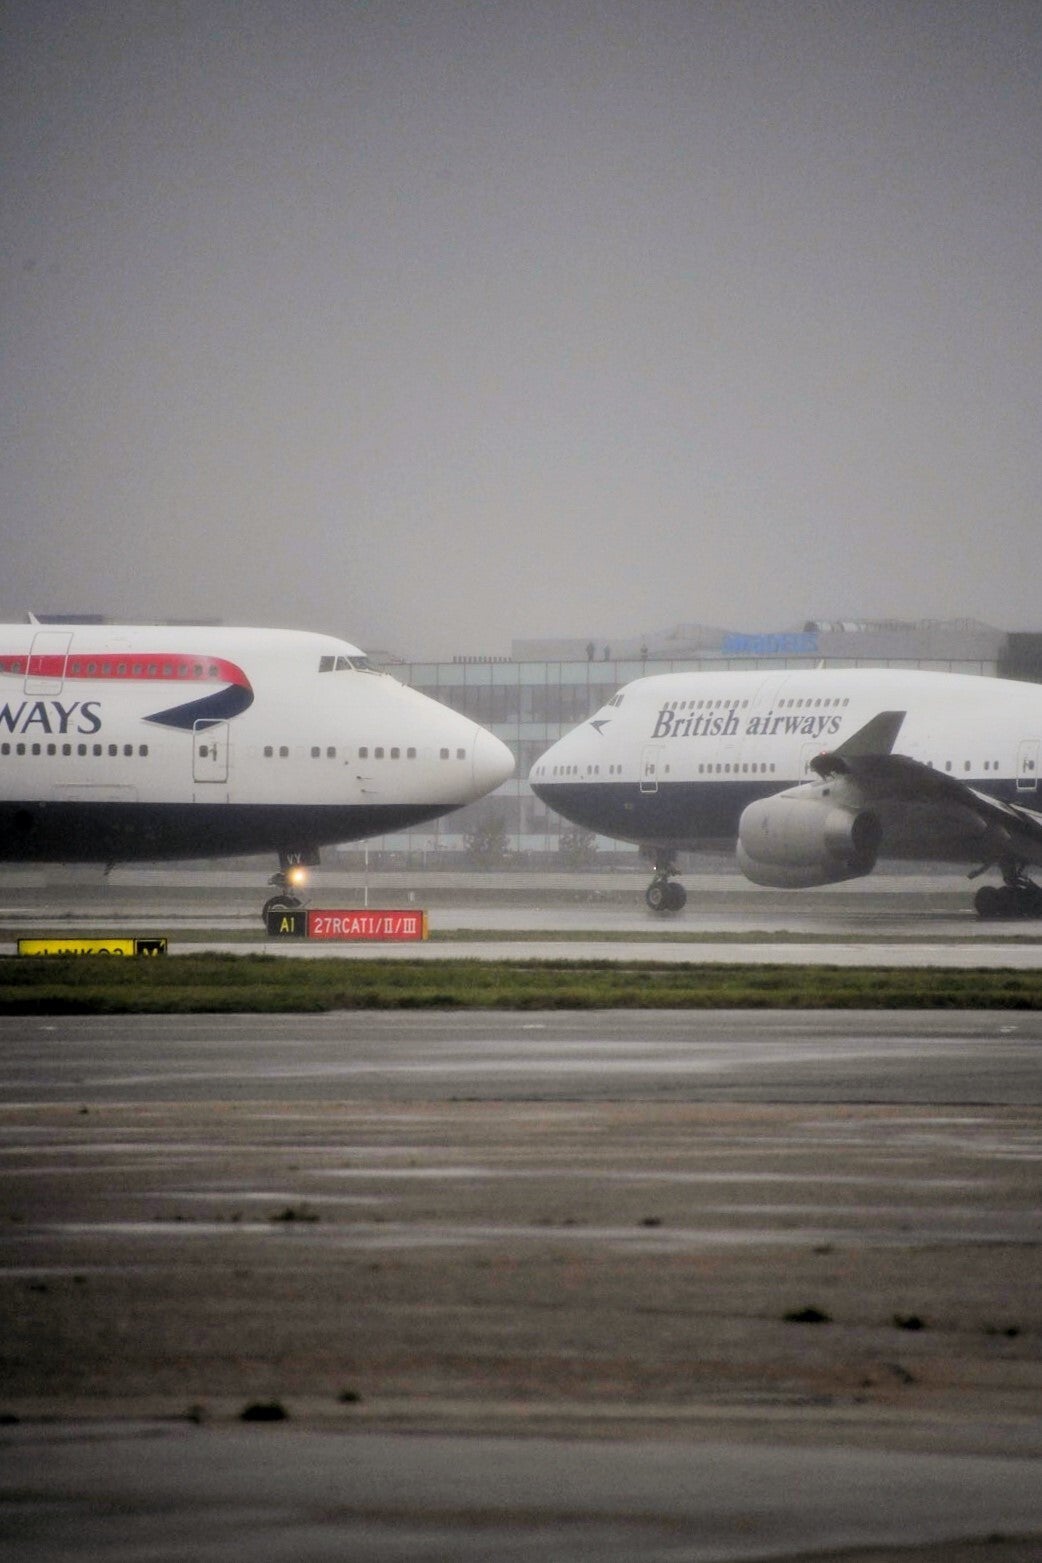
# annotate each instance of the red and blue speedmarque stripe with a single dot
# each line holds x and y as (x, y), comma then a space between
(234, 697)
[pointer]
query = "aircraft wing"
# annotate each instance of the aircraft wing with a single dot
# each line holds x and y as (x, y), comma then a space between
(1006, 830)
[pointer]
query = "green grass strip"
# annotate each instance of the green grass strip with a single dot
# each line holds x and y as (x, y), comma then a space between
(275, 984)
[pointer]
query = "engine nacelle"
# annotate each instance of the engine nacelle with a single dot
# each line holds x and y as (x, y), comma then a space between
(794, 841)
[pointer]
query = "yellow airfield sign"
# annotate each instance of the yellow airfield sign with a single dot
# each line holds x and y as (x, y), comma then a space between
(67, 946)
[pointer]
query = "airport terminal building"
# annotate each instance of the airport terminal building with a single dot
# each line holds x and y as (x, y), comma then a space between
(531, 698)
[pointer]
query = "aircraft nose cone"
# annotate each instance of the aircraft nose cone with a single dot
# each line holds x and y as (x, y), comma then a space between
(493, 761)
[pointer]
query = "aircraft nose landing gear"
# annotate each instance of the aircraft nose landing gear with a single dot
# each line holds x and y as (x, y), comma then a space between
(291, 877)
(283, 900)
(664, 894)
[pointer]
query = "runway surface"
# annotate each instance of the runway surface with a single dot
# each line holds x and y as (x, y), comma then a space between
(286, 1497)
(642, 1286)
(851, 952)
(887, 919)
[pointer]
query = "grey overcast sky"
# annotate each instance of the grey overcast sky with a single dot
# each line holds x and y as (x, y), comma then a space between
(434, 323)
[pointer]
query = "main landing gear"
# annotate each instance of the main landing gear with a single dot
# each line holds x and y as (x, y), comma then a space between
(664, 894)
(1017, 896)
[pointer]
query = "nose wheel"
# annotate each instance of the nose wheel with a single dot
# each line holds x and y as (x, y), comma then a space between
(284, 899)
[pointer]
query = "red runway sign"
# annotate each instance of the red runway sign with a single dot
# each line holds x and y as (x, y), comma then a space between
(357, 923)
(350, 923)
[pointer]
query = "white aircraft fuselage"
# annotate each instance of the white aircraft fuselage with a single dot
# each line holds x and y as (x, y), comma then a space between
(121, 742)
(814, 774)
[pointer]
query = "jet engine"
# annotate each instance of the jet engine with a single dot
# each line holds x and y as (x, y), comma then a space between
(803, 838)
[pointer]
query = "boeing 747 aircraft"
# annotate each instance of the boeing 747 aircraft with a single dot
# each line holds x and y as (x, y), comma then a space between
(814, 774)
(123, 742)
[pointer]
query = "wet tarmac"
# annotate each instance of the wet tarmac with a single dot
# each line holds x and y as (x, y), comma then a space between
(641, 1286)
(283, 1497)
(898, 919)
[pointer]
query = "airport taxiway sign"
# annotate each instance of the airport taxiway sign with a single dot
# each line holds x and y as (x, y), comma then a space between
(66, 946)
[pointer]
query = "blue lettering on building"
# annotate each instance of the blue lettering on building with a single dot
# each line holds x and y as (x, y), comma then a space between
(801, 644)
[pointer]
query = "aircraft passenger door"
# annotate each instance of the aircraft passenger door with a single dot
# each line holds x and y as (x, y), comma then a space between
(1027, 765)
(45, 671)
(210, 752)
(649, 767)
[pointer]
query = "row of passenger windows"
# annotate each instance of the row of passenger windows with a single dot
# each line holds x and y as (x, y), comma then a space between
(77, 669)
(758, 768)
(735, 769)
(762, 769)
(967, 765)
(379, 752)
(703, 770)
(743, 705)
(130, 751)
(81, 751)
(118, 668)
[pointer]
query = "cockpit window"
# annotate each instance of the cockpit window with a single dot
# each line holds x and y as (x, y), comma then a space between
(344, 665)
